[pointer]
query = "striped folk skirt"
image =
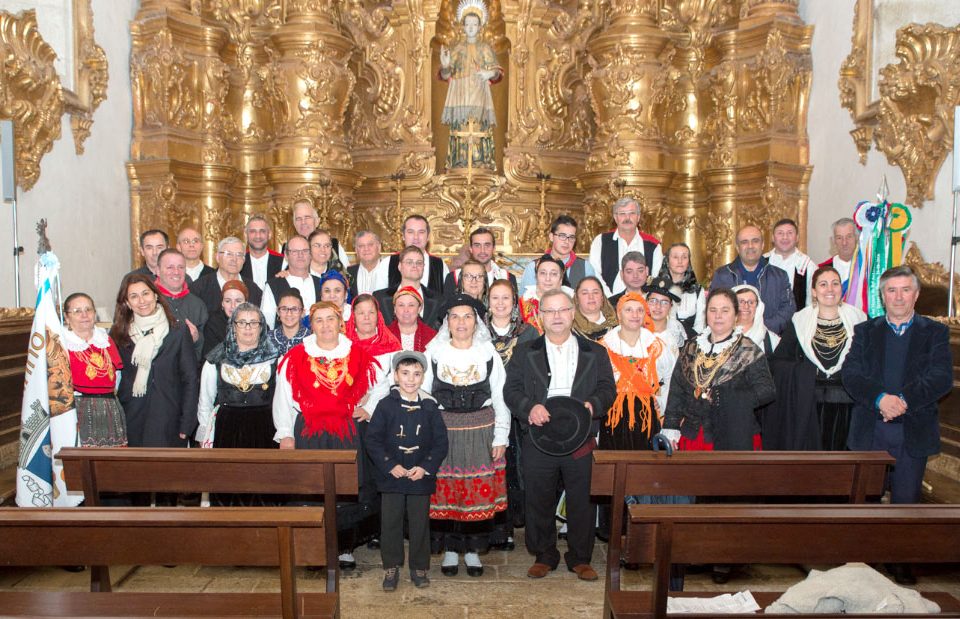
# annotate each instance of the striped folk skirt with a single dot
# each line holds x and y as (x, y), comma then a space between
(471, 486)
(100, 421)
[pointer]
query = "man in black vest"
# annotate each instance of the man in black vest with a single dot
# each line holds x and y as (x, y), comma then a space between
(229, 260)
(558, 363)
(563, 238)
(152, 242)
(898, 368)
(416, 232)
(369, 274)
(410, 266)
(608, 248)
(261, 262)
(483, 248)
(298, 276)
(798, 265)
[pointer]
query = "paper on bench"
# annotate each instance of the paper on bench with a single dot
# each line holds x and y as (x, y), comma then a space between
(741, 602)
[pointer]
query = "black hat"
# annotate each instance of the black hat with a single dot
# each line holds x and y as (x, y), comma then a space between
(567, 430)
(661, 286)
(460, 298)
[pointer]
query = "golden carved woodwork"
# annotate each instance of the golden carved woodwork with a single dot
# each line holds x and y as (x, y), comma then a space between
(912, 122)
(31, 93)
(697, 108)
(932, 275)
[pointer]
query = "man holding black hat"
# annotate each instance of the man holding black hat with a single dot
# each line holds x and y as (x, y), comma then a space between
(558, 384)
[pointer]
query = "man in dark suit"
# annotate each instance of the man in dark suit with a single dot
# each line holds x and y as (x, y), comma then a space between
(410, 266)
(898, 367)
(261, 262)
(558, 363)
(152, 242)
(229, 260)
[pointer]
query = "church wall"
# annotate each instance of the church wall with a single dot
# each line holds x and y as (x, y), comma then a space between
(85, 198)
(839, 181)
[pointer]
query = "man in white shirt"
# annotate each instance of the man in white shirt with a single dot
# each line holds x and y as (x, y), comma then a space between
(608, 248)
(370, 272)
(190, 244)
(298, 276)
(798, 265)
(416, 233)
(483, 247)
(845, 241)
(261, 262)
(558, 363)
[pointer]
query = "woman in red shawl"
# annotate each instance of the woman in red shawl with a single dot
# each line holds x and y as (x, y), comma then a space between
(320, 385)
(409, 328)
(366, 329)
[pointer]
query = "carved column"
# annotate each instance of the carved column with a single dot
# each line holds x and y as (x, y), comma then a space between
(627, 157)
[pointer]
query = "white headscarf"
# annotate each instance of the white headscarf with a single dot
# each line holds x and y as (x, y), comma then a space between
(758, 332)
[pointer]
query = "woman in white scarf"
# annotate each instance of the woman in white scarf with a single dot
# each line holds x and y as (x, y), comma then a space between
(159, 387)
(812, 411)
(751, 306)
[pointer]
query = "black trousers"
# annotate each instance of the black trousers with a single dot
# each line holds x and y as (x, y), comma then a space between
(459, 536)
(541, 476)
(416, 508)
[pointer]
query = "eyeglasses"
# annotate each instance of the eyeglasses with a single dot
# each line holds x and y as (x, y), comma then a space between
(77, 311)
(473, 277)
(413, 263)
(565, 237)
(323, 245)
(298, 252)
(232, 254)
(556, 312)
(746, 303)
(248, 324)
(659, 302)
(288, 309)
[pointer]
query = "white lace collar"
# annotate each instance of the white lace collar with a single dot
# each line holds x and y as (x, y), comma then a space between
(341, 350)
(708, 347)
(75, 343)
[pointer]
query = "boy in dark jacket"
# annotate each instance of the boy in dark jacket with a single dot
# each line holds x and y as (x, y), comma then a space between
(407, 442)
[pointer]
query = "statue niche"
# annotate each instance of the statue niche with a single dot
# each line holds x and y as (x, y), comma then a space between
(470, 56)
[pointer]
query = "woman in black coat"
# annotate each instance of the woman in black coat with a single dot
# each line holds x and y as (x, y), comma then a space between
(159, 385)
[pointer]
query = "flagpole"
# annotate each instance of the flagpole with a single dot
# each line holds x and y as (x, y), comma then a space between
(954, 239)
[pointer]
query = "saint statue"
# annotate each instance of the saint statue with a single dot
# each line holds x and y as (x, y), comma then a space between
(469, 68)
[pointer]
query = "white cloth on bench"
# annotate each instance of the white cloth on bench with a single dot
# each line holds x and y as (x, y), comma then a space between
(850, 588)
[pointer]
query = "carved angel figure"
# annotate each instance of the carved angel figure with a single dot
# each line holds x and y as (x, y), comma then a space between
(469, 68)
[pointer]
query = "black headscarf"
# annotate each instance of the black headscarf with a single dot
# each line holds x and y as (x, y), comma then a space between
(228, 352)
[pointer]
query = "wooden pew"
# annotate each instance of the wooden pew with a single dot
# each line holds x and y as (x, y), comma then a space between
(816, 534)
(279, 536)
(328, 473)
(850, 475)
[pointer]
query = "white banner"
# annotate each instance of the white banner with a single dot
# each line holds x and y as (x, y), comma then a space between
(48, 419)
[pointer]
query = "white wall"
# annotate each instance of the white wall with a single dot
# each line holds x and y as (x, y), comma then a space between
(839, 181)
(85, 198)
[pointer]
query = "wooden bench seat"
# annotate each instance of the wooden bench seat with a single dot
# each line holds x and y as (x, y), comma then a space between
(284, 537)
(852, 476)
(324, 473)
(810, 534)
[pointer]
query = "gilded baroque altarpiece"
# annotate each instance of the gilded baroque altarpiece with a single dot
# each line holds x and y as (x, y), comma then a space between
(696, 107)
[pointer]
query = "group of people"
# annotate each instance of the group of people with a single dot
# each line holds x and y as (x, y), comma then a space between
(452, 384)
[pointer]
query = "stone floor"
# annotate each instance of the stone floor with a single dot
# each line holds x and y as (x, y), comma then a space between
(503, 591)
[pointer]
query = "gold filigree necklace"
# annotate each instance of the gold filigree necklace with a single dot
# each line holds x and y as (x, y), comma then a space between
(330, 373)
(705, 368)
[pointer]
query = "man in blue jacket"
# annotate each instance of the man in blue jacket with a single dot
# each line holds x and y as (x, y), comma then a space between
(898, 368)
(750, 267)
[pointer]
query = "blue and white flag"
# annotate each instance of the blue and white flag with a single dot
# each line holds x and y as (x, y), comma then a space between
(48, 419)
